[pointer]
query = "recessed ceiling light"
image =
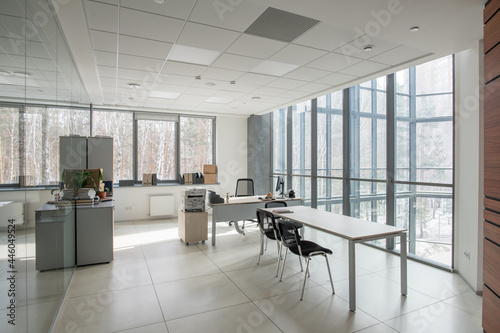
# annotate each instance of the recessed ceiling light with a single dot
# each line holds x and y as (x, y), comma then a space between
(160, 1)
(197, 77)
(256, 97)
(4, 73)
(368, 48)
(134, 85)
(23, 74)
(232, 82)
(414, 29)
(210, 84)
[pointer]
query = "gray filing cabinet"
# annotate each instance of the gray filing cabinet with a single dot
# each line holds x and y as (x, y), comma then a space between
(94, 233)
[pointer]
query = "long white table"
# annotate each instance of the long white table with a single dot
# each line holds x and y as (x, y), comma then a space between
(355, 231)
(242, 208)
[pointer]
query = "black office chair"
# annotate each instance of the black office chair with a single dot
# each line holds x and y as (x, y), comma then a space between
(291, 240)
(244, 188)
(268, 230)
(278, 204)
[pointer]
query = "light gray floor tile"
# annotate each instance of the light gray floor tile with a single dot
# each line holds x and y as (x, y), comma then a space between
(379, 328)
(155, 328)
(240, 318)
(468, 301)
(36, 318)
(196, 295)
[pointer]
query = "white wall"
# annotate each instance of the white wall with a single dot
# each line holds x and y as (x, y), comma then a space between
(469, 165)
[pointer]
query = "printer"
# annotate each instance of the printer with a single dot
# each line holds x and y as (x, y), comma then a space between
(193, 199)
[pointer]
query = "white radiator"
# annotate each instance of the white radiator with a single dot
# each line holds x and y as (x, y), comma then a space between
(13, 210)
(161, 205)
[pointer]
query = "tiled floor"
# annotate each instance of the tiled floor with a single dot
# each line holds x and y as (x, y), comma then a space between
(158, 284)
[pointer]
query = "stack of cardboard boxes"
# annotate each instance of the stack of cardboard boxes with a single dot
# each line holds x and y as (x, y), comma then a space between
(210, 173)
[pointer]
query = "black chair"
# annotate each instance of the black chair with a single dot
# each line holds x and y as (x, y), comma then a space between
(291, 240)
(268, 230)
(273, 204)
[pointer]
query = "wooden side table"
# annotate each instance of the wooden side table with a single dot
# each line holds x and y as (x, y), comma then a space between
(193, 226)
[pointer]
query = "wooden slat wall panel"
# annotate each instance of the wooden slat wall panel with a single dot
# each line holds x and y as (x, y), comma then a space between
(491, 309)
(491, 33)
(491, 265)
(492, 204)
(492, 232)
(492, 7)
(491, 64)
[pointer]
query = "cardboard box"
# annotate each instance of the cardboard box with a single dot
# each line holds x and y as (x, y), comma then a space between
(209, 168)
(188, 178)
(144, 179)
(210, 178)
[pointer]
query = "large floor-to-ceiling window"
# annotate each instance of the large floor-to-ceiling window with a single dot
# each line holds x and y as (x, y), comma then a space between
(380, 151)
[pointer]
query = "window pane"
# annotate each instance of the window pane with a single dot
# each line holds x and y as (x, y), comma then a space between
(9, 145)
(434, 106)
(196, 143)
(330, 145)
(302, 188)
(368, 201)
(435, 152)
(435, 76)
(330, 195)
(279, 141)
(427, 213)
(156, 149)
(402, 150)
(43, 127)
(119, 126)
(301, 139)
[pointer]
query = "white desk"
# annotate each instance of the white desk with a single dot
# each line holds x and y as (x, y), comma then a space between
(242, 208)
(355, 231)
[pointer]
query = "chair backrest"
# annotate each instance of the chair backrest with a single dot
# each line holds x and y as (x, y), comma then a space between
(272, 204)
(288, 234)
(266, 221)
(244, 187)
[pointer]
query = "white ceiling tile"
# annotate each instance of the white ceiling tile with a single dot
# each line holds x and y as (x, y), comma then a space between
(150, 26)
(158, 102)
(326, 37)
(173, 8)
(196, 98)
(297, 55)
(273, 68)
(37, 50)
(144, 47)
(12, 46)
(101, 16)
(175, 79)
(256, 79)
(103, 41)
(13, 8)
(307, 74)
(270, 91)
(192, 55)
(228, 94)
(185, 105)
(107, 81)
(286, 83)
(399, 55)
(336, 79)
(313, 87)
(201, 91)
(140, 63)
(45, 64)
(236, 62)
(364, 68)
(207, 107)
(233, 15)
(136, 75)
(105, 58)
(202, 36)
(164, 94)
(106, 71)
(334, 62)
(294, 94)
(172, 67)
(221, 74)
(355, 48)
(257, 47)
(169, 87)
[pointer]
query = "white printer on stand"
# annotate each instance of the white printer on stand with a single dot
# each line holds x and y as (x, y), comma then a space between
(193, 199)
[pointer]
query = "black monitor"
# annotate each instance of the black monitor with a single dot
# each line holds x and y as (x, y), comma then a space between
(280, 184)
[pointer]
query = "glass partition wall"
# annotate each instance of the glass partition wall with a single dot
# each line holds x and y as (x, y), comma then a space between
(380, 151)
(36, 69)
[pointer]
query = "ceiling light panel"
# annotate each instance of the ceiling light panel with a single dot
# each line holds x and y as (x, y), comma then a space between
(297, 55)
(280, 25)
(173, 8)
(325, 36)
(233, 15)
(101, 16)
(192, 55)
(144, 47)
(257, 47)
(164, 94)
(236, 62)
(273, 68)
(179, 68)
(156, 27)
(202, 36)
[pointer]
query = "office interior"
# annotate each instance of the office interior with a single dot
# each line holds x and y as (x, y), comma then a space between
(217, 61)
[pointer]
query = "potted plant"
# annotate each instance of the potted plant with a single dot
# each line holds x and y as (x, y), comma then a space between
(102, 194)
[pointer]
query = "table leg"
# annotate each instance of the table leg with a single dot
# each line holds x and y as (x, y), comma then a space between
(352, 276)
(214, 222)
(404, 267)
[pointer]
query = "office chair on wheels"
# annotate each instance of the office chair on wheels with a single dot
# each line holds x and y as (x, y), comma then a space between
(291, 240)
(244, 188)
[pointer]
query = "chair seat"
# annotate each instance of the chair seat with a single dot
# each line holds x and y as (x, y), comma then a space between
(298, 225)
(270, 234)
(309, 247)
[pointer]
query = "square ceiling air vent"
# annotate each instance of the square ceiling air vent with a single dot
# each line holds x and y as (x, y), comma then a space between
(280, 25)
